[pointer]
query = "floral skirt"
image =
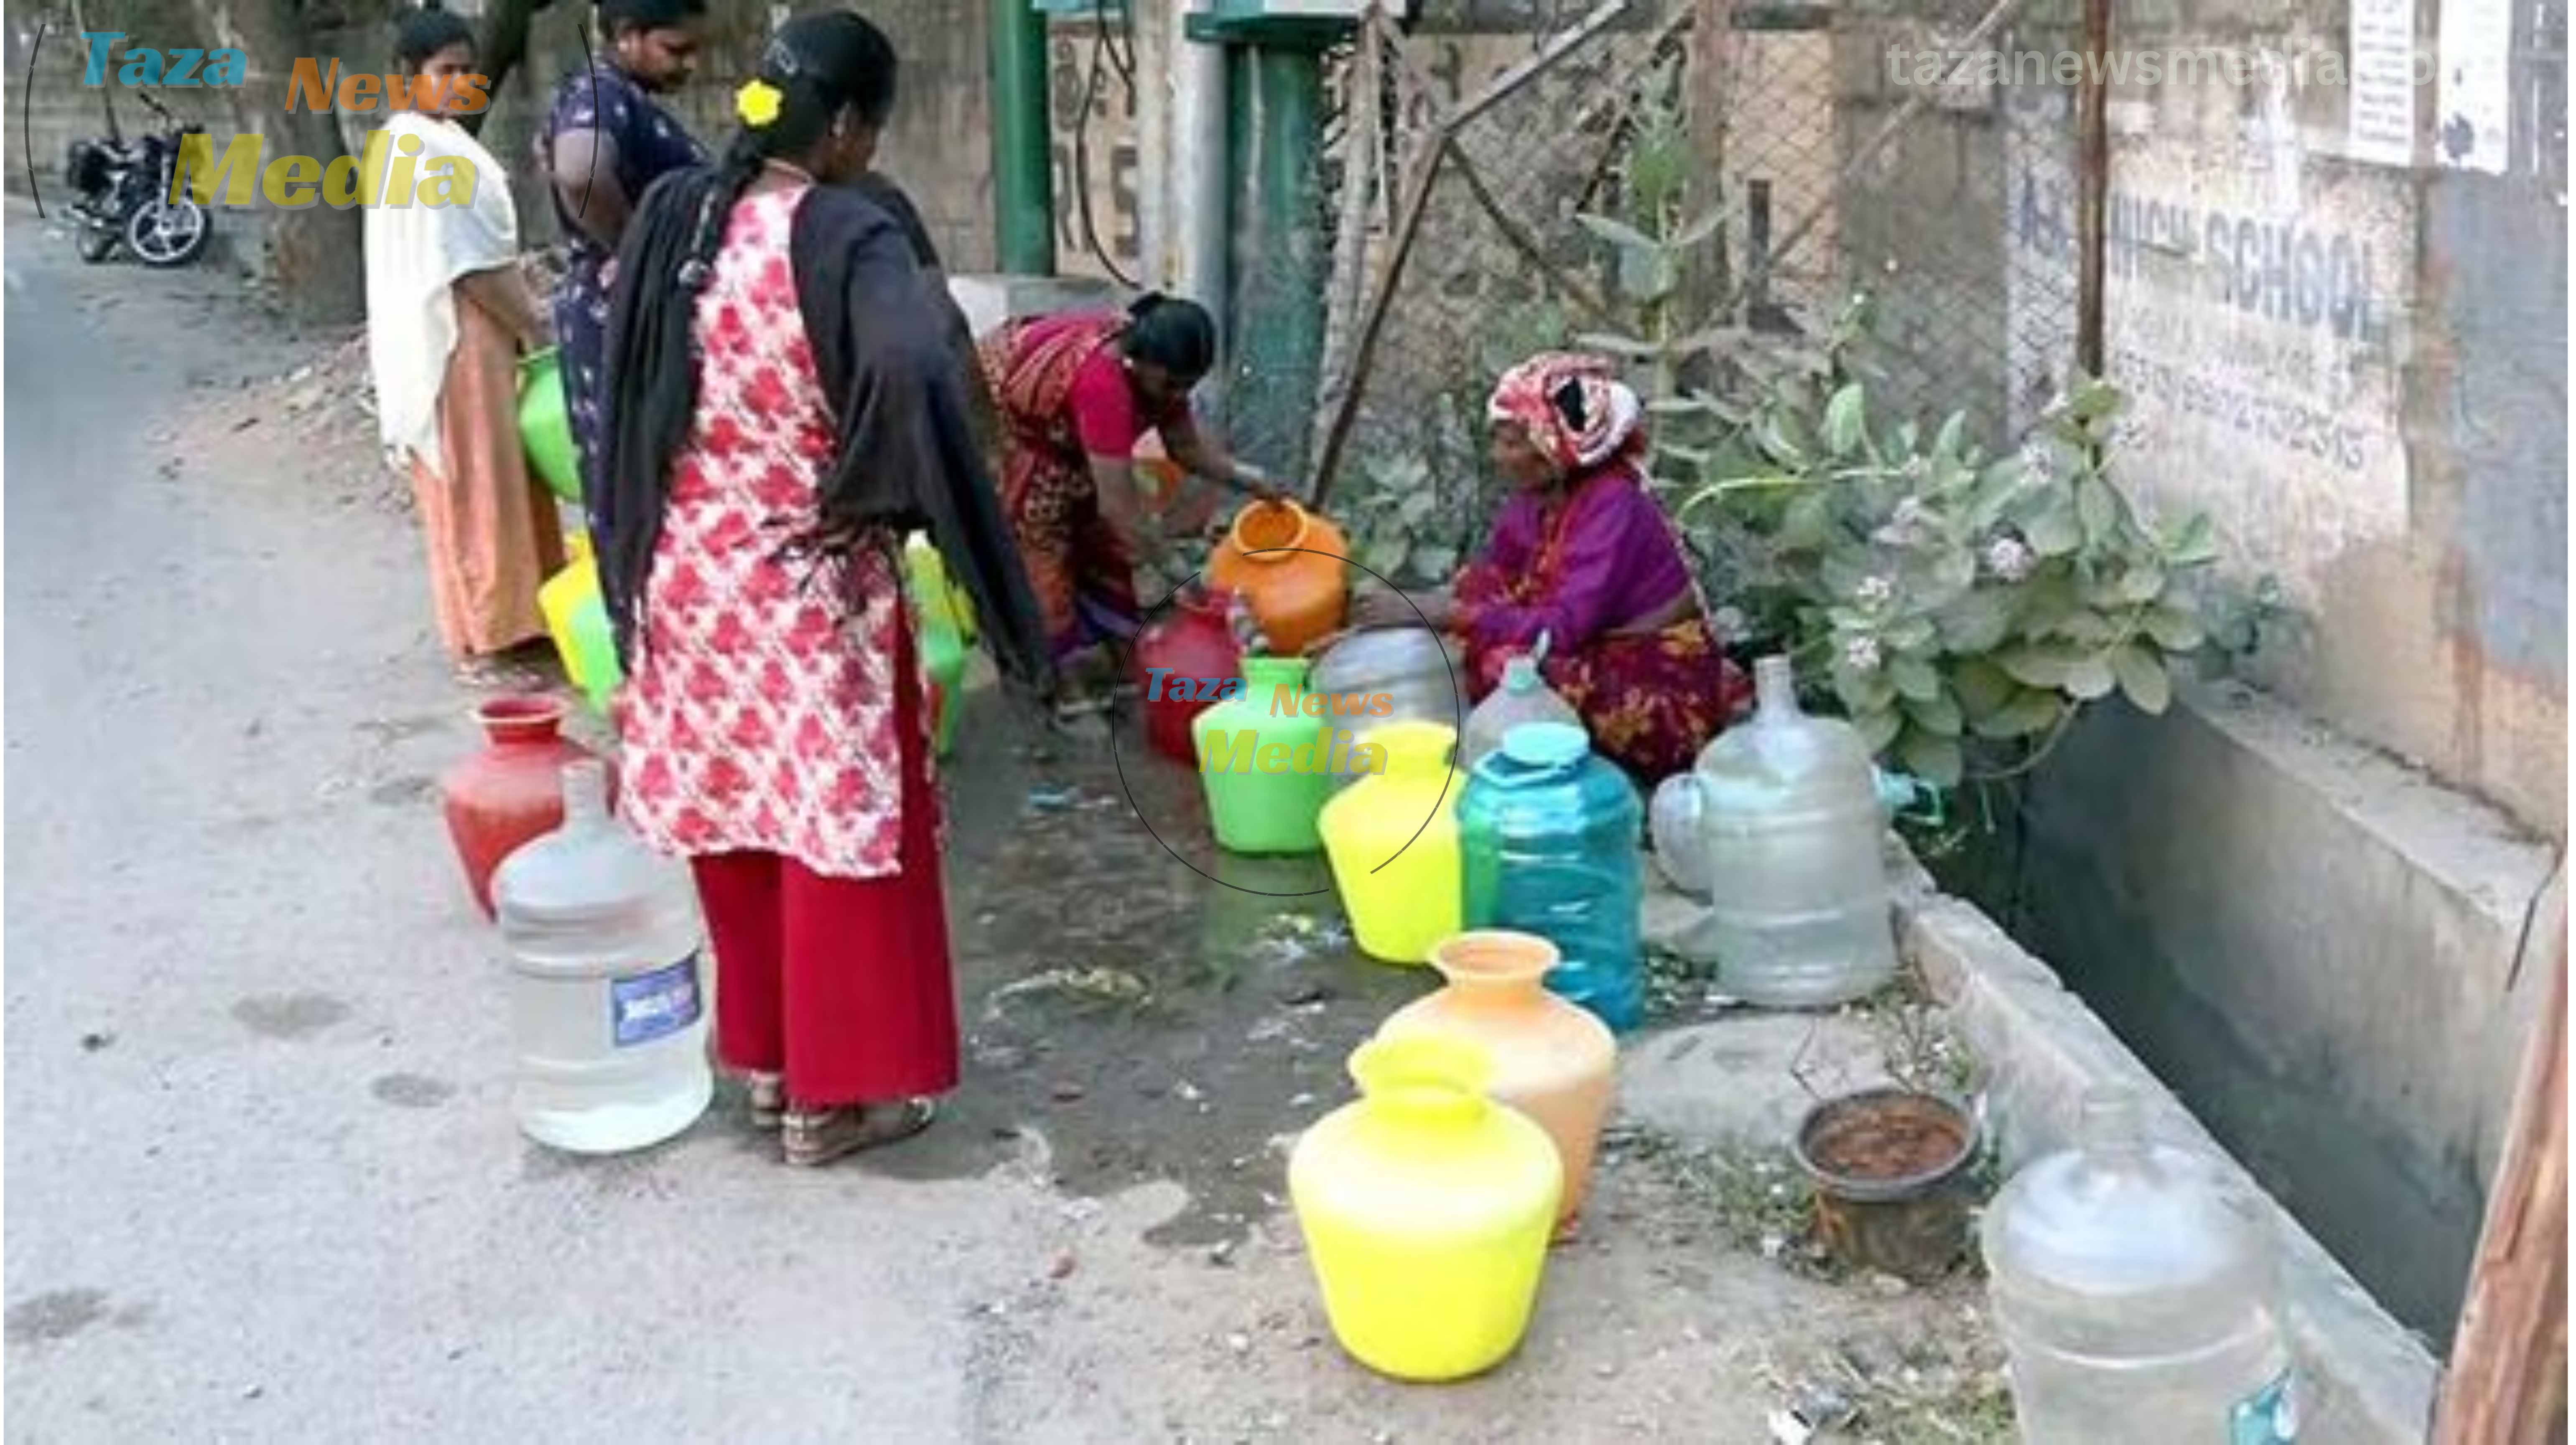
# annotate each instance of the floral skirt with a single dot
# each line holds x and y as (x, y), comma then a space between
(1650, 700)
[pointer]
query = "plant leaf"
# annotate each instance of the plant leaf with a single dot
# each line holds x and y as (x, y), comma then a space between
(1618, 233)
(1977, 622)
(1983, 687)
(1809, 523)
(1844, 420)
(1937, 714)
(2145, 582)
(2030, 712)
(2090, 678)
(1935, 759)
(2054, 530)
(2036, 665)
(1862, 692)
(1915, 679)
(2175, 629)
(2143, 678)
(2098, 509)
(2193, 544)
(1878, 728)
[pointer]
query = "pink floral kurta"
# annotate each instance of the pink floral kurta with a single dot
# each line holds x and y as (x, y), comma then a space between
(760, 714)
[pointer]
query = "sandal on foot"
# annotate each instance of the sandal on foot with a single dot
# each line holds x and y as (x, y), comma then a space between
(768, 1100)
(819, 1136)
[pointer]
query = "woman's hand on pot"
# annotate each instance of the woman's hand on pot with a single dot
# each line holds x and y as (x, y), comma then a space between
(1257, 483)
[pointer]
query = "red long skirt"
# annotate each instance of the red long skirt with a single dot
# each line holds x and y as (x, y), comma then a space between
(843, 985)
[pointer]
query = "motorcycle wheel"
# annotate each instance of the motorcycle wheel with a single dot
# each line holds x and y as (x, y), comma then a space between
(163, 234)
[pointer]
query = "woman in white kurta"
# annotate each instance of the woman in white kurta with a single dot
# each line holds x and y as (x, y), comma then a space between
(448, 314)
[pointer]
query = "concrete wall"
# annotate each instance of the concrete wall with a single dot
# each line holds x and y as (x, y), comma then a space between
(2341, 311)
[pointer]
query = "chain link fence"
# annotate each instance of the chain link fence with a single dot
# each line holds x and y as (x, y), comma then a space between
(1699, 185)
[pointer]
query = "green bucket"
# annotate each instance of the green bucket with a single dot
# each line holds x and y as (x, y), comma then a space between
(545, 426)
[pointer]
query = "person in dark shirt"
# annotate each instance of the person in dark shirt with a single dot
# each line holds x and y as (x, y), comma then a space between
(606, 139)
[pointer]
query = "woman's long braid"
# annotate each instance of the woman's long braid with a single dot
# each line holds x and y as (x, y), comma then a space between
(667, 258)
(662, 312)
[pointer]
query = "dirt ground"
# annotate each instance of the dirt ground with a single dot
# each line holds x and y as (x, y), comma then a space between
(1091, 1246)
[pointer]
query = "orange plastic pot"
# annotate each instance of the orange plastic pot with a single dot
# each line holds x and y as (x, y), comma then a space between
(1288, 564)
(1552, 1060)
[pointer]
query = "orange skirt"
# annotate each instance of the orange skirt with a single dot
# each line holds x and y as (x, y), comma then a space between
(493, 532)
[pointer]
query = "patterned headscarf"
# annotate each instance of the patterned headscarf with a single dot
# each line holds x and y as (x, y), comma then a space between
(1574, 407)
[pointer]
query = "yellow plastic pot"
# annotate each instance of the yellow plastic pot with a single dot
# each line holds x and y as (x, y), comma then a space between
(1426, 1209)
(577, 619)
(1399, 910)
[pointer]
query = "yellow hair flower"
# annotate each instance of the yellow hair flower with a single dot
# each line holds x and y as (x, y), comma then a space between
(757, 103)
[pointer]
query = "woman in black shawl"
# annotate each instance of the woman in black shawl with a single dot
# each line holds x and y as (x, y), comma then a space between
(788, 405)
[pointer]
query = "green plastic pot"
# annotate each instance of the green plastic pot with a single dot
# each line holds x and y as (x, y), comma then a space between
(545, 425)
(1266, 773)
(945, 654)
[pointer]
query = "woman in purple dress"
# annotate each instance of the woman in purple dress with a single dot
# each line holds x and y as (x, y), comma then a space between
(606, 139)
(1584, 555)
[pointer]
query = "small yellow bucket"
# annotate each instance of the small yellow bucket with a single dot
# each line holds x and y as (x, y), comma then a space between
(577, 619)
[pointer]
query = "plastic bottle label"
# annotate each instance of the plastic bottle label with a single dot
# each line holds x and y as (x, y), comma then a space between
(654, 1005)
(2269, 1416)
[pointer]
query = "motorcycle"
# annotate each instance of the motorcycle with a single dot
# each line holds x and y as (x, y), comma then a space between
(123, 189)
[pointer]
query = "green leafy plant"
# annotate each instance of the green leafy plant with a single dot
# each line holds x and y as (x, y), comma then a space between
(1959, 608)
(1951, 597)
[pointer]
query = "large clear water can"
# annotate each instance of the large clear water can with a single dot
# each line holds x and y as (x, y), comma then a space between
(2137, 1294)
(1523, 697)
(1780, 827)
(607, 1000)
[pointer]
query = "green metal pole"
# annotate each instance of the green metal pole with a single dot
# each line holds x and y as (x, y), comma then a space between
(1023, 155)
(1281, 261)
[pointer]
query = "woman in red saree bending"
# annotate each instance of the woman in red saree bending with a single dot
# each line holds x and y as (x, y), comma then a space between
(1584, 555)
(1076, 393)
(788, 406)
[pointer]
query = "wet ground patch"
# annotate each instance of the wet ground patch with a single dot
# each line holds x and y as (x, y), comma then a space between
(1145, 1019)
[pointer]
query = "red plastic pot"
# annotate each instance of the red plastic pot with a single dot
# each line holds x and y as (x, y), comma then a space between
(511, 791)
(1193, 641)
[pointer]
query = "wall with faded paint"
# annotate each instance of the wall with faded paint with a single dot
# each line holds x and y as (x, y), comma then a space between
(2356, 363)
(2338, 299)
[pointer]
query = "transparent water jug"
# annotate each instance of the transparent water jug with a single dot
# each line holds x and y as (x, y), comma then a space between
(1523, 697)
(1408, 666)
(605, 984)
(2136, 1293)
(1779, 826)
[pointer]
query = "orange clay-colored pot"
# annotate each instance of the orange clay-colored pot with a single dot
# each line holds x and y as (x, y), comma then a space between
(1288, 564)
(1552, 1059)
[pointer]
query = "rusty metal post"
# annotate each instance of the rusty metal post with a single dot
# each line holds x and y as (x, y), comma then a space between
(2093, 184)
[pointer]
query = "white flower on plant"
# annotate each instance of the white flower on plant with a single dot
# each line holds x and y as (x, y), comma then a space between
(1917, 468)
(1909, 514)
(2009, 558)
(1875, 591)
(2039, 460)
(1861, 654)
(1729, 622)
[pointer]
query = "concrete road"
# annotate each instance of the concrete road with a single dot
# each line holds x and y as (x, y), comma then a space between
(262, 1180)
